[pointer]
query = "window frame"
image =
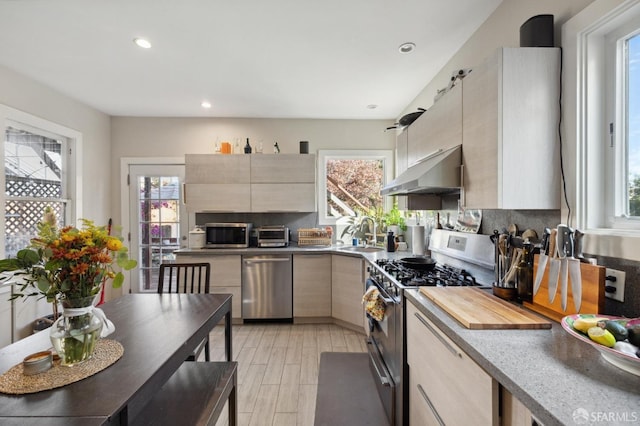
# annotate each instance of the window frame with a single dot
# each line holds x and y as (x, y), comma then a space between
(617, 113)
(386, 155)
(585, 127)
(72, 174)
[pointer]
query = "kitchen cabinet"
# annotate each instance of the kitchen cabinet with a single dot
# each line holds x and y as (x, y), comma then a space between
(250, 183)
(445, 385)
(402, 146)
(510, 125)
(513, 412)
(226, 276)
(283, 168)
(440, 127)
(217, 183)
(279, 197)
(283, 183)
(347, 288)
(311, 285)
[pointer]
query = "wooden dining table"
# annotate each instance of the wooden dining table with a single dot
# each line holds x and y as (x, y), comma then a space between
(157, 331)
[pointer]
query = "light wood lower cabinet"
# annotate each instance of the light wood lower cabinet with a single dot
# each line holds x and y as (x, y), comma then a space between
(514, 413)
(226, 276)
(446, 385)
(311, 285)
(347, 289)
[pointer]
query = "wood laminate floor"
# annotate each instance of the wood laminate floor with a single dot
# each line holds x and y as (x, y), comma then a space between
(278, 369)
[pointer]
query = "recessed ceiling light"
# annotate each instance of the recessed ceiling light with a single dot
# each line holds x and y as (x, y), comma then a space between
(372, 106)
(142, 43)
(407, 47)
(206, 104)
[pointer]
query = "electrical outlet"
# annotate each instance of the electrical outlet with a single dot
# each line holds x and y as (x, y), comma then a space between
(618, 284)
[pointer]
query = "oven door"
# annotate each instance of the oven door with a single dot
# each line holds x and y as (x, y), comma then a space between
(381, 346)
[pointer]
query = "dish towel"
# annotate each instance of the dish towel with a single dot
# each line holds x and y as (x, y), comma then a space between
(373, 304)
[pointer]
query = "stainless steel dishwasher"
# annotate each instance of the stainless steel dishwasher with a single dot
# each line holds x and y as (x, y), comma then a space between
(267, 287)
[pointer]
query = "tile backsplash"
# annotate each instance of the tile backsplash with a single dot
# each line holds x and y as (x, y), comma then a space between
(538, 220)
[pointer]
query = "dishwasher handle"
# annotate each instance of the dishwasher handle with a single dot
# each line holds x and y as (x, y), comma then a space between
(272, 260)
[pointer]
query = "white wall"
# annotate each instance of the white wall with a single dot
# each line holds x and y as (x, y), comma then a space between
(24, 94)
(171, 137)
(502, 29)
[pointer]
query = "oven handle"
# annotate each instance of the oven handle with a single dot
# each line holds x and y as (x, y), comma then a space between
(386, 299)
(435, 333)
(375, 360)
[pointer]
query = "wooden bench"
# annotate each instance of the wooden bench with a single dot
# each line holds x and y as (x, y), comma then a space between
(194, 395)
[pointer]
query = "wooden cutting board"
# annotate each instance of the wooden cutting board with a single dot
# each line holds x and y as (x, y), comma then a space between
(478, 310)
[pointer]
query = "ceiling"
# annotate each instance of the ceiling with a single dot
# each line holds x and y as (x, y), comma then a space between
(248, 58)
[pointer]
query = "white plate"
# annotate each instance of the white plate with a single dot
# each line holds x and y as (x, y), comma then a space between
(621, 360)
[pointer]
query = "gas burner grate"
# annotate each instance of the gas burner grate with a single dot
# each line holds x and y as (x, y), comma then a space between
(440, 275)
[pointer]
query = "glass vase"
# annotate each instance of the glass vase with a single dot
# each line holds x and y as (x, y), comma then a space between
(75, 333)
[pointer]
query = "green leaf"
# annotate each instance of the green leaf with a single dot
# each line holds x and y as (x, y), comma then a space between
(43, 284)
(11, 264)
(118, 280)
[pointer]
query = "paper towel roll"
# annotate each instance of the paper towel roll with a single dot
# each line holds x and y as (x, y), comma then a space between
(417, 240)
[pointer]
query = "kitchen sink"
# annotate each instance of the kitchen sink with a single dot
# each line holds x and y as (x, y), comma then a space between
(362, 249)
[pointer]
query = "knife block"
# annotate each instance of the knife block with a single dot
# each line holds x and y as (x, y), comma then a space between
(593, 281)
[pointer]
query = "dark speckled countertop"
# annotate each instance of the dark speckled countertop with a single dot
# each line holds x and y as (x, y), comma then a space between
(550, 372)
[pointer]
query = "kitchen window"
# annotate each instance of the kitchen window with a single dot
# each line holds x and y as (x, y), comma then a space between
(38, 160)
(623, 80)
(600, 113)
(350, 182)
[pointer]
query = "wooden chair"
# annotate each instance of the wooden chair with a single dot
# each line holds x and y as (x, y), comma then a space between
(186, 278)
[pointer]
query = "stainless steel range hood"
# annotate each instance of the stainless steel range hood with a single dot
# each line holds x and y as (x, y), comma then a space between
(437, 174)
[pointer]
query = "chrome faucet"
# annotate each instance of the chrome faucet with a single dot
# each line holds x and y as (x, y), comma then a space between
(375, 234)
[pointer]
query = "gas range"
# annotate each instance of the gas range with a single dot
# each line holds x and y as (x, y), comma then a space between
(460, 260)
(440, 275)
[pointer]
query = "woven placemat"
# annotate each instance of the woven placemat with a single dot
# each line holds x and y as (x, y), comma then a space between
(14, 382)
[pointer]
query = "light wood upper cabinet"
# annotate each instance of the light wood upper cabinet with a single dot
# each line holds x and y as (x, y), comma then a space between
(280, 197)
(510, 131)
(217, 183)
(311, 285)
(250, 183)
(283, 168)
(440, 127)
(214, 197)
(347, 289)
(445, 385)
(283, 183)
(213, 168)
(402, 145)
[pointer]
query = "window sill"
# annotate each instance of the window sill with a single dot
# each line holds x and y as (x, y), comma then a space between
(617, 243)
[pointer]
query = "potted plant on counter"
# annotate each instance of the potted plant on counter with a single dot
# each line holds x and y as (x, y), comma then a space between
(394, 220)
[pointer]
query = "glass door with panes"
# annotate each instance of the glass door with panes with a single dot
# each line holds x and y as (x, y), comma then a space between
(156, 214)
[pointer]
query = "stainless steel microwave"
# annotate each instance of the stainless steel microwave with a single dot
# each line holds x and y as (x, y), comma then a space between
(227, 235)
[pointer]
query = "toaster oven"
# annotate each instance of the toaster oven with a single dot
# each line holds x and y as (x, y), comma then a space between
(273, 236)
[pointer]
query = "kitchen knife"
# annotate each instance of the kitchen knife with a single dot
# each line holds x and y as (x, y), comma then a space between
(554, 265)
(565, 249)
(574, 269)
(542, 260)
